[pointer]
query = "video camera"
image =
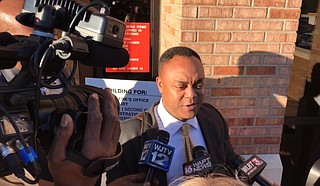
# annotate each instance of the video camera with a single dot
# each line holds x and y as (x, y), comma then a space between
(32, 103)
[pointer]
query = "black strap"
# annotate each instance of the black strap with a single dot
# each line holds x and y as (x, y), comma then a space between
(95, 167)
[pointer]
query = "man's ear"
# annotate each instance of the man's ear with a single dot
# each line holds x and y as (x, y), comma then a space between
(159, 84)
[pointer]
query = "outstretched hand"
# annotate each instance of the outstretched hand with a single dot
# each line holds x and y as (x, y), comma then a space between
(100, 140)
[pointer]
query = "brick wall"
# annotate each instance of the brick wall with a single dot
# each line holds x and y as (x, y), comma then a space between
(247, 49)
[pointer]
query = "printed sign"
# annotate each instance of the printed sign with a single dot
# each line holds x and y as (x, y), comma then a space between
(134, 96)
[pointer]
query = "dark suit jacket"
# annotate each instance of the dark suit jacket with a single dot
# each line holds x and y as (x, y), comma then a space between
(134, 132)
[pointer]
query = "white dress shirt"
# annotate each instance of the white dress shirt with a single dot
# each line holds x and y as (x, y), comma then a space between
(170, 124)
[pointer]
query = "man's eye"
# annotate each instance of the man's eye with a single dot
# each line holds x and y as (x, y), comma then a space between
(181, 87)
(198, 86)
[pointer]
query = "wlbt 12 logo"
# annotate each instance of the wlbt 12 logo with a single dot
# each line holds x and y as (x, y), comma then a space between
(157, 154)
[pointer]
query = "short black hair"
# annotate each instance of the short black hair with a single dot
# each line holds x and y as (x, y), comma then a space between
(177, 51)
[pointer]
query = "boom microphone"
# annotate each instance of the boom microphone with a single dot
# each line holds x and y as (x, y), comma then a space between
(157, 154)
(201, 163)
(252, 169)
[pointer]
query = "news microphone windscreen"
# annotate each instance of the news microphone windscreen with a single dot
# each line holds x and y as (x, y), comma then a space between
(200, 165)
(163, 136)
(198, 151)
(6, 39)
(105, 56)
(156, 153)
(253, 166)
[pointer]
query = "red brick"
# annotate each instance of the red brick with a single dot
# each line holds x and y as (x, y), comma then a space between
(215, 59)
(275, 48)
(234, 2)
(285, 71)
(248, 36)
(275, 3)
(275, 81)
(250, 12)
(228, 70)
(215, 12)
(260, 70)
(242, 81)
(226, 91)
(201, 48)
(189, 12)
(215, 102)
(167, 9)
(288, 48)
(267, 25)
(233, 24)
(254, 131)
(245, 60)
(291, 25)
(256, 91)
(268, 101)
(281, 37)
(214, 36)
(284, 13)
(240, 121)
(198, 2)
(240, 102)
(231, 112)
(188, 36)
(277, 111)
(267, 140)
(231, 48)
(274, 60)
(196, 24)
(276, 130)
(208, 70)
(252, 112)
(294, 3)
(241, 141)
(269, 121)
(273, 149)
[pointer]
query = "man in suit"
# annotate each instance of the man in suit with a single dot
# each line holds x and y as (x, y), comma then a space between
(181, 82)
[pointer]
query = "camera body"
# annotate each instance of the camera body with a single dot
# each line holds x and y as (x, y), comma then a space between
(28, 114)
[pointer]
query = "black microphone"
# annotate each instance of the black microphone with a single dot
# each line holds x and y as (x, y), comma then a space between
(90, 52)
(252, 168)
(201, 163)
(157, 154)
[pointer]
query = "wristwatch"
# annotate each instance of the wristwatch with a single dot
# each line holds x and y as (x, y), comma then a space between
(95, 167)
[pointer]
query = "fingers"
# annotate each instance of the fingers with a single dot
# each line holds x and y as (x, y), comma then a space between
(111, 121)
(102, 130)
(59, 145)
(94, 122)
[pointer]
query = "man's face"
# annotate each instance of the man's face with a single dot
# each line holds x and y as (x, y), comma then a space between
(181, 83)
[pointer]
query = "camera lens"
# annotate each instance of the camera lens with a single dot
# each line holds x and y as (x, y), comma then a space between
(115, 29)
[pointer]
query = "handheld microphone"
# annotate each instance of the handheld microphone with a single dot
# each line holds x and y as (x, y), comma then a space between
(201, 163)
(157, 154)
(252, 168)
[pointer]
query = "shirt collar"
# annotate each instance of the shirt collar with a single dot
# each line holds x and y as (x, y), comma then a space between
(170, 123)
